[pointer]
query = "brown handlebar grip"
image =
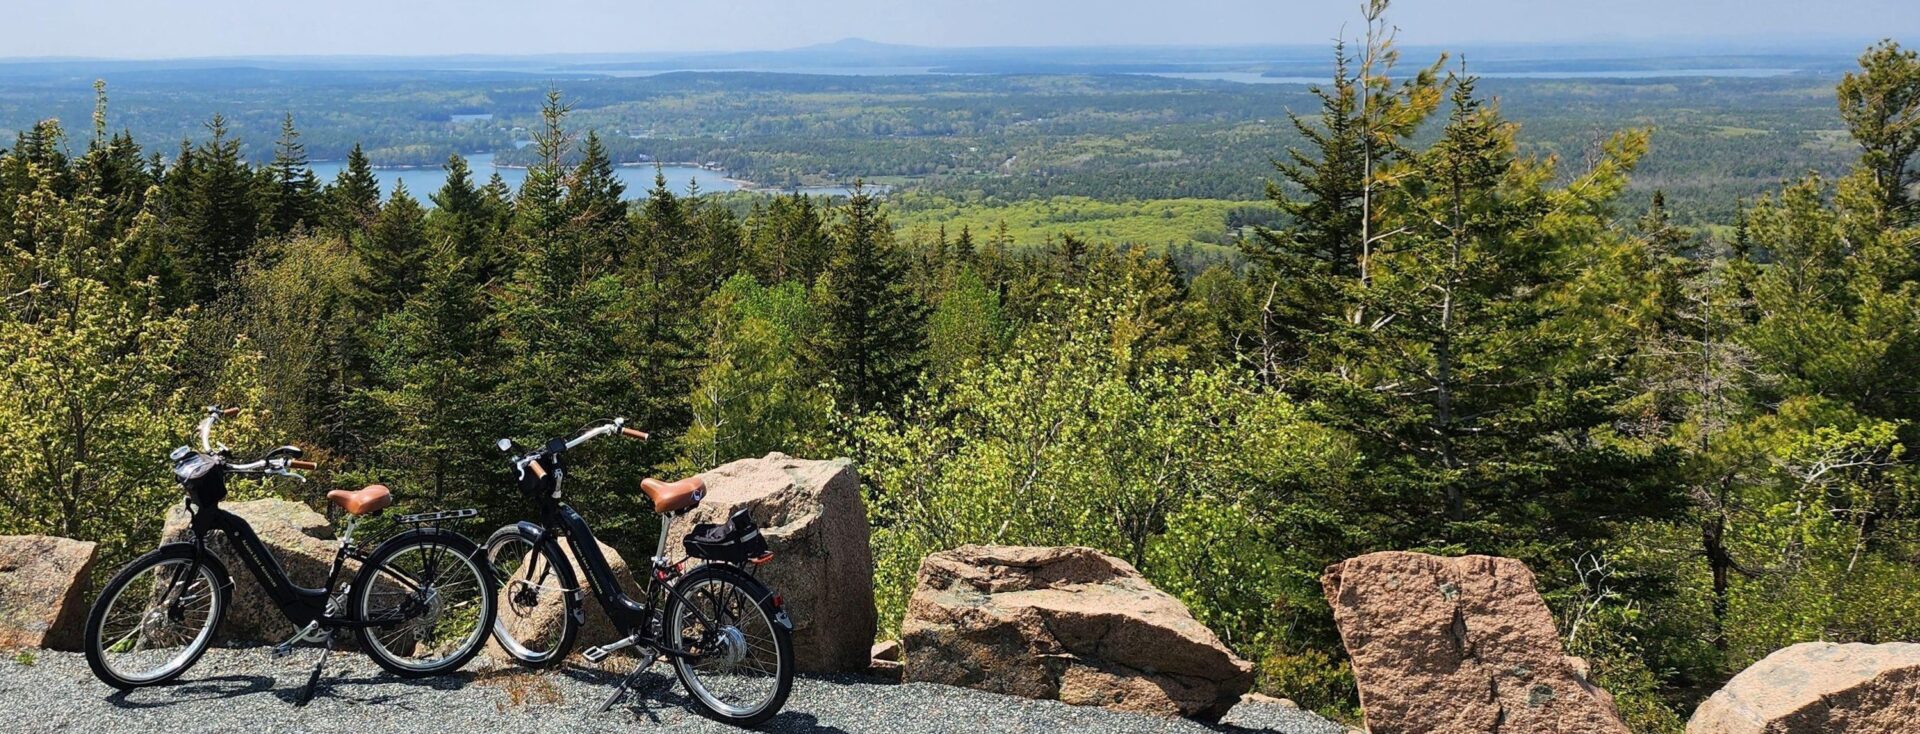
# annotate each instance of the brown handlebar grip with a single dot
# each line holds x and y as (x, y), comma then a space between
(229, 412)
(537, 470)
(298, 464)
(633, 433)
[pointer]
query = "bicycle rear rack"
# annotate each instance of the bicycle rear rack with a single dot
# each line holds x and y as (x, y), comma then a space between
(438, 517)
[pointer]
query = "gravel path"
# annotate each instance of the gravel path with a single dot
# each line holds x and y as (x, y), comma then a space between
(245, 690)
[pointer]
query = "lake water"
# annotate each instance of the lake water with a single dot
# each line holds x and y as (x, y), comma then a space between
(637, 177)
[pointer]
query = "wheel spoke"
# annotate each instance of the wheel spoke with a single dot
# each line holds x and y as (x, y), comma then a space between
(738, 671)
(156, 622)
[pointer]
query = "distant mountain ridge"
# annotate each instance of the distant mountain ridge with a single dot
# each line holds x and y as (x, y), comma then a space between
(869, 56)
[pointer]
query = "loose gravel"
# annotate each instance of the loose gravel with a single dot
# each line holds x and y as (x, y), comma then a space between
(246, 690)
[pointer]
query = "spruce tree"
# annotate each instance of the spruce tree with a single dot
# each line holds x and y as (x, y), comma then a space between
(874, 325)
(290, 195)
(438, 364)
(787, 240)
(467, 217)
(354, 198)
(394, 253)
(598, 216)
(222, 219)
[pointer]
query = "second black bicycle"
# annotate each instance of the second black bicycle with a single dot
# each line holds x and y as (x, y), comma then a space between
(725, 633)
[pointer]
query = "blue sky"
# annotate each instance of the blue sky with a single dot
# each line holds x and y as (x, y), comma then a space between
(176, 28)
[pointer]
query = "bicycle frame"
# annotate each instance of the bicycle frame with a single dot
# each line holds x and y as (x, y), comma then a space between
(634, 618)
(300, 605)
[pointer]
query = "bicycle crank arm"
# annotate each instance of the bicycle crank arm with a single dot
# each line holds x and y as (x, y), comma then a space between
(309, 633)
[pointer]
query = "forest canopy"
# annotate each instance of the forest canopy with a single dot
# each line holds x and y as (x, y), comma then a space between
(1429, 335)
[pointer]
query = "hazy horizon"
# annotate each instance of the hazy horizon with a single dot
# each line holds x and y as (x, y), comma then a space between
(46, 29)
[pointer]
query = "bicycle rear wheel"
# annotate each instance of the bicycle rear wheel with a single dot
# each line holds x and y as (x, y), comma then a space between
(742, 668)
(433, 597)
(155, 618)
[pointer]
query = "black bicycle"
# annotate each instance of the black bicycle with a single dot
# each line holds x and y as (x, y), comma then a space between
(420, 605)
(728, 638)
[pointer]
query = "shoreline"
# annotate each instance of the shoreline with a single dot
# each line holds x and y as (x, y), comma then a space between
(739, 184)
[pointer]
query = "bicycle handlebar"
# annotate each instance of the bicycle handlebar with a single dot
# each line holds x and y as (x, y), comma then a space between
(281, 467)
(531, 461)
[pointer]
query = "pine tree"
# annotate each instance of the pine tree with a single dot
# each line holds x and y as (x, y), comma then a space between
(290, 195)
(873, 323)
(354, 198)
(468, 219)
(1881, 106)
(394, 253)
(438, 365)
(787, 240)
(596, 198)
(222, 220)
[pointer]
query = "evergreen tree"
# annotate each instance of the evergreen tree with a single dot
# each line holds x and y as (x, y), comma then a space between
(1466, 365)
(290, 195)
(540, 211)
(873, 323)
(787, 240)
(1881, 106)
(394, 253)
(222, 220)
(467, 218)
(354, 198)
(598, 209)
(438, 365)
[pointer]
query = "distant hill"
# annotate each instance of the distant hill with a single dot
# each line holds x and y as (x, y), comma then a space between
(864, 56)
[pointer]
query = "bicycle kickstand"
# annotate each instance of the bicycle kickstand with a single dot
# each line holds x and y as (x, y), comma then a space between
(313, 679)
(626, 684)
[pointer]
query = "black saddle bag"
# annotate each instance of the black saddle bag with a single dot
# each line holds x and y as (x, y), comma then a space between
(735, 541)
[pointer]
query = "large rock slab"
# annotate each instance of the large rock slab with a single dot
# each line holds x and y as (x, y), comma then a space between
(1459, 645)
(815, 523)
(43, 591)
(1820, 688)
(542, 619)
(1072, 624)
(300, 539)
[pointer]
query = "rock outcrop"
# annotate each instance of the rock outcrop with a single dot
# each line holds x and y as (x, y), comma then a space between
(815, 523)
(1072, 624)
(301, 540)
(1819, 688)
(1459, 646)
(43, 590)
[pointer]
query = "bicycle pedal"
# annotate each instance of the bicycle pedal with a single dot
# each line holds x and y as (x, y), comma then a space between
(597, 653)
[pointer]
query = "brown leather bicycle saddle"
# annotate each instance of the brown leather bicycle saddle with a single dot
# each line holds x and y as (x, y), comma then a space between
(366, 500)
(674, 496)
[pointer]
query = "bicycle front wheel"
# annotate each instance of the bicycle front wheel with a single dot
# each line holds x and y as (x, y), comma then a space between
(538, 601)
(741, 665)
(155, 618)
(430, 598)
